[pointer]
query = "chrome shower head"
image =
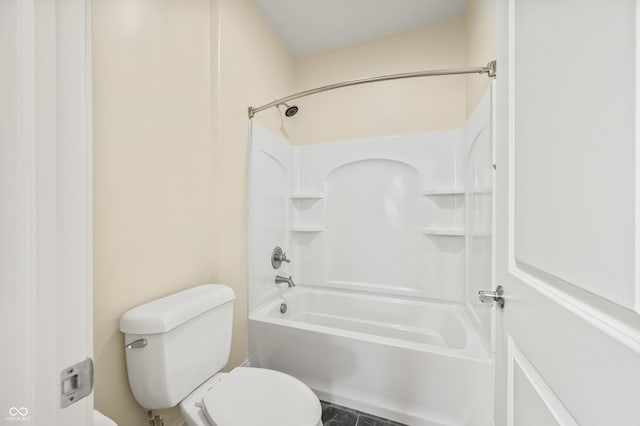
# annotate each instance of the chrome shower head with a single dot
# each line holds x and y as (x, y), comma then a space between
(291, 110)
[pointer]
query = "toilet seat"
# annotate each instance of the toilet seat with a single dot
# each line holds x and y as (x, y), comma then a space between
(258, 396)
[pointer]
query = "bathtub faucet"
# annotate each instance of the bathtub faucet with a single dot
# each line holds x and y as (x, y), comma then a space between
(289, 281)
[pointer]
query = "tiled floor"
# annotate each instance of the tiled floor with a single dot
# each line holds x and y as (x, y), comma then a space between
(336, 415)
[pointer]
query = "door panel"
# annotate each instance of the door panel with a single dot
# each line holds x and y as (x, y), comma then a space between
(574, 73)
(585, 367)
(568, 345)
(572, 143)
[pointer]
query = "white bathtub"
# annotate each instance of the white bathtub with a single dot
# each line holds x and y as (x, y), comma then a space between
(416, 362)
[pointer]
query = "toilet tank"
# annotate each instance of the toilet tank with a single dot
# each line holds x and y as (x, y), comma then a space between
(176, 343)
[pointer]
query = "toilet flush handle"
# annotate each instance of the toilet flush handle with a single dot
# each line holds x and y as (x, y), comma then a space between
(137, 344)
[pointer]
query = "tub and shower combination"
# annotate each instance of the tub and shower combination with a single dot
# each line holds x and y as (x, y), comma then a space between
(389, 241)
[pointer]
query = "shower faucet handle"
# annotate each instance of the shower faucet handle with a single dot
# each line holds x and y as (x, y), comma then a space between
(277, 257)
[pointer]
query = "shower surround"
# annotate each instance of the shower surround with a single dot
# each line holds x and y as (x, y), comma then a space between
(389, 240)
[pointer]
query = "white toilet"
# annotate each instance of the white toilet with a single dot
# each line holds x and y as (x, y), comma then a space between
(175, 347)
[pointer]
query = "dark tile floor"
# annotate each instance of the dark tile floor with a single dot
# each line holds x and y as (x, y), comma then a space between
(336, 415)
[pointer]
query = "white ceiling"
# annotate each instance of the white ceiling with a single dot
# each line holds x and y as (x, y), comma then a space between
(312, 26)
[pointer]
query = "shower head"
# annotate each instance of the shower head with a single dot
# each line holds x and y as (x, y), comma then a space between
(291, 110)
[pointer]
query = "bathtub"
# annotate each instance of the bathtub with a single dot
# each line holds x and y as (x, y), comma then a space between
(416, 362)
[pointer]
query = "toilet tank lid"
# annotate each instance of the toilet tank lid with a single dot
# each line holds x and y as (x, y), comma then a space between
(162, 315)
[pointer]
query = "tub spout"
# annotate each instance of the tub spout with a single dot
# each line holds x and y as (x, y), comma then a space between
(289, 281)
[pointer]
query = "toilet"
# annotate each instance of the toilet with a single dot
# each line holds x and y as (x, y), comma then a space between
(175, 348)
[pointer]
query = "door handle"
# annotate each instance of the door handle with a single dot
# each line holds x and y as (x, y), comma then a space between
(490, 297)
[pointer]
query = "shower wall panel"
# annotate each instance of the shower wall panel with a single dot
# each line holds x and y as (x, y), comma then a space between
(405, 215)
(478, 160)
(270, 178)
(373, 224)
(370, 221)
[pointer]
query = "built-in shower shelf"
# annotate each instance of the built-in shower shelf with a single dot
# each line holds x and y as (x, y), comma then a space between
(443, 191)
(447, 232)
(454, 191)
(307, 196)
(307, 229)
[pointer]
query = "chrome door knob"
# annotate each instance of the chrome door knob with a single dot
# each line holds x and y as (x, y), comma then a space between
(490, 297)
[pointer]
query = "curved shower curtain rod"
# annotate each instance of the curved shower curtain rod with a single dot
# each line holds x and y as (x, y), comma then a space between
(490, 70)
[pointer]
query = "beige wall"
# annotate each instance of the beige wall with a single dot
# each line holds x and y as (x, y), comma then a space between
(386, 108)
(481, 47)
(255, 68)
(169, 163)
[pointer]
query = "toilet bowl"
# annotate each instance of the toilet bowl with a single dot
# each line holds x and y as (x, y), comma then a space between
(252, 396)
(175, 348)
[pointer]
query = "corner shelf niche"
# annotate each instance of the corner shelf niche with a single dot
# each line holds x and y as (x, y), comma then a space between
(307, 196)
(308, 229)
(443, 211)
(455, 190)
(444, 232)
(307, 214)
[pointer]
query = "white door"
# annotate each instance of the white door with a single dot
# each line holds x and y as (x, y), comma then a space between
(45, 211)
(567, 212)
